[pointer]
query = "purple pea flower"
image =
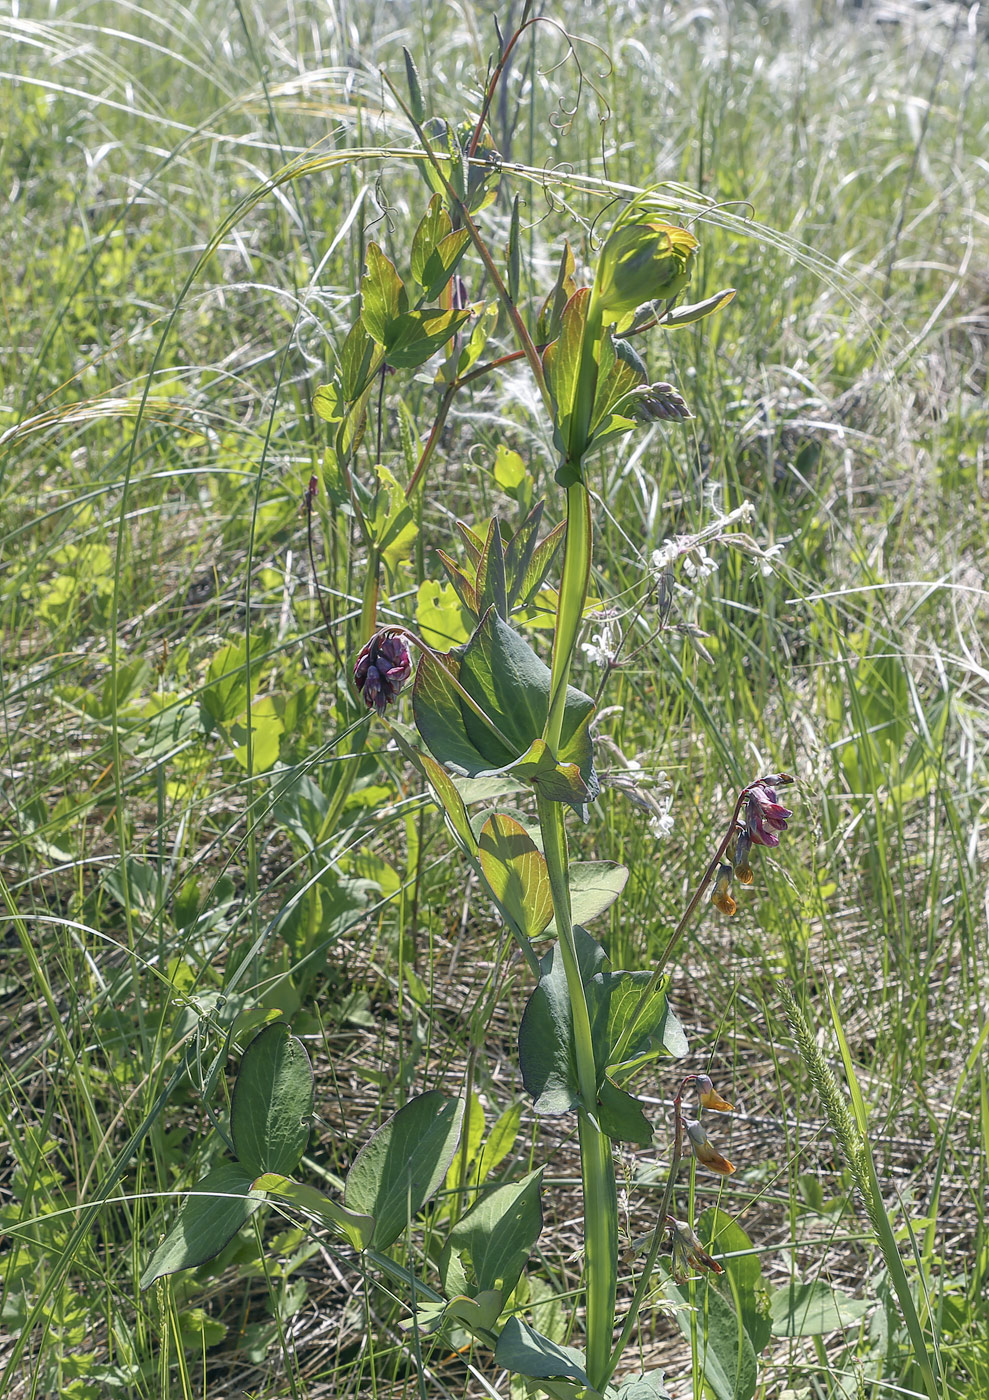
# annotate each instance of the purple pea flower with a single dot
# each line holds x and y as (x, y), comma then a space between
(765, 816)
(381, 669)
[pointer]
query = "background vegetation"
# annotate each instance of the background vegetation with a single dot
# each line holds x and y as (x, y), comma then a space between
(162, 882)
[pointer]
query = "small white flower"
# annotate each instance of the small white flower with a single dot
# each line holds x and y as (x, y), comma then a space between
(662, 559)
(602, 649)
(661, 825)
(700, 566)
(766, 566)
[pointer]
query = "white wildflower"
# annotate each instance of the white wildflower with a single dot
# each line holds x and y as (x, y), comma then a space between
(700, 565)
(661, 825)
(662, 559)
(602, 649)
(766, 566)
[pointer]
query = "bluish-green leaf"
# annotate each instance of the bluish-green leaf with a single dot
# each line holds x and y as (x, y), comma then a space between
(651, 1385)
(594, 887)
(515, 871)
(489, 1247)
(526, 1352)
(546, 1054)
(397, 1171)
(221, 1203)
(657, 1030)
(725, 1356)
(810, 1309)
(743, 1273)
(621, 1116)
(272, 1103)
(510, 685)
(557, 782)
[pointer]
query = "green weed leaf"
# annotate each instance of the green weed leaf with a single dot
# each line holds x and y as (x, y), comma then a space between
(397, 1171)
(223, 1201)
(272, 1103)
(515, 871)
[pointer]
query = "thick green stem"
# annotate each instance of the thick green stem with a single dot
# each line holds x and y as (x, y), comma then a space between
(596, 1161)
(570, 612)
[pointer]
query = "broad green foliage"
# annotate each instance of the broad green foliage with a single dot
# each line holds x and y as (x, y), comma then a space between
(310, 341)
(403, 1164)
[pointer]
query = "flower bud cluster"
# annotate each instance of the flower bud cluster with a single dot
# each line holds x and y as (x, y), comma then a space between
(661, 402)
(381, 669)
(763, 818)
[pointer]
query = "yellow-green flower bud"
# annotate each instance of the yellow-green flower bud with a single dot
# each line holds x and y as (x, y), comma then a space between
(643, 261)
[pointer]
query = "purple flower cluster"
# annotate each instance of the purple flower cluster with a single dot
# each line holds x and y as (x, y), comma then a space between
(762, 819)
(765, 816)
(381, 670)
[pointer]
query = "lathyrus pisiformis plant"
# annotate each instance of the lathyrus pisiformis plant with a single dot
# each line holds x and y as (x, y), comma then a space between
(493, 707)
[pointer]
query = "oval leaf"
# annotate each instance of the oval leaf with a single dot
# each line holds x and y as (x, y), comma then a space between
(209, 1218)
(809, 1309)
(516, 873)
(405, 1161)
(272, 1103)
(524, 1350)
(594, 887)
(496, 1236)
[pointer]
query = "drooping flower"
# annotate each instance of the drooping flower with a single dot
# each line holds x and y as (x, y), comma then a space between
(765, 816)
(603, 648)
(688, 1252)
(709, 1096)
(743, 869)
(721, 899)
(381, 669)
(705, 1151)
(662, 824)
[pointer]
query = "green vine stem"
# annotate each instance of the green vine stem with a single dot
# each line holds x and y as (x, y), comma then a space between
(773, 780)
(596, 1161)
